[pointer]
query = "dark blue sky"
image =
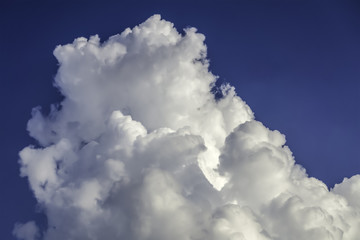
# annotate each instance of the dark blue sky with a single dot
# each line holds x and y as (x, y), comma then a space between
(296, 63)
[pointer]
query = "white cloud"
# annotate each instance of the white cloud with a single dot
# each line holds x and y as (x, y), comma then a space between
(349, 188)
(27, 231)
(141, 149)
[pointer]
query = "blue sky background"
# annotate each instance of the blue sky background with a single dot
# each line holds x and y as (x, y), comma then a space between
(296, 63)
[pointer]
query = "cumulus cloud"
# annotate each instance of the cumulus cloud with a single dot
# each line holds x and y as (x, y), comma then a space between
(141, 149)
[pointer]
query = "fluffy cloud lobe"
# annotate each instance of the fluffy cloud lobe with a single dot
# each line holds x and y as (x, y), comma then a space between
(140, 148)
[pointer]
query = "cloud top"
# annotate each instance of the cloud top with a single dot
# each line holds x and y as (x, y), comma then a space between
(140, 148)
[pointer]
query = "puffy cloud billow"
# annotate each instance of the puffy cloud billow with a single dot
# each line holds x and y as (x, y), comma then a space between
(140, 148)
